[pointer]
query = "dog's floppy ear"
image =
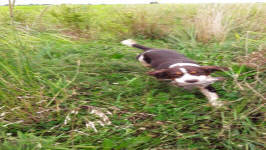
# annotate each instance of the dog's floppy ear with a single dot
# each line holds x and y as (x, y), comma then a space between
(211, 69)
(161, 74)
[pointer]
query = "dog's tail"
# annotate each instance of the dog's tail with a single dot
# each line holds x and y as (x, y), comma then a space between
(132, 43)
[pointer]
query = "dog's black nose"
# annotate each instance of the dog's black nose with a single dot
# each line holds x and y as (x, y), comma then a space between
(191, 81)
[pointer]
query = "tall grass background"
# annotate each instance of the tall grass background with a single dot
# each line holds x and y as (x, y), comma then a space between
(67, 83)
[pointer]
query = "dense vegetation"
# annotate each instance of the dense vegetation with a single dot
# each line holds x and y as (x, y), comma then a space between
(67, 83)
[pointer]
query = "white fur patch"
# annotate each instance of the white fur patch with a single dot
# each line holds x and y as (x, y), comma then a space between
(143, 62)
(128, 42)
(203, 80)
(212, 97)
(183, 64)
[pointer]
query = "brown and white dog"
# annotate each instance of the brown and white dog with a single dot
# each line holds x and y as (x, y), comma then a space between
(183, 72)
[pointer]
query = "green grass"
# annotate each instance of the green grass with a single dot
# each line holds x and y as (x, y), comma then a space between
(53, 85)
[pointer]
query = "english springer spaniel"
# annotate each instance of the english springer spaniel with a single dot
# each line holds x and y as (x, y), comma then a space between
(181, 71)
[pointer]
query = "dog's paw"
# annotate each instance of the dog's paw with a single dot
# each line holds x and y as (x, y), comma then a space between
(217, 104)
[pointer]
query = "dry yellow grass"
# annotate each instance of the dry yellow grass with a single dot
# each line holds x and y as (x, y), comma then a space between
(214, 22)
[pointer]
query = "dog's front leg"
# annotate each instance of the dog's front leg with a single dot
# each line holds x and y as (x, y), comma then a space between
(211, 95)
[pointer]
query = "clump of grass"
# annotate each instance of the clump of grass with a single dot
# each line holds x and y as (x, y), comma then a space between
(148, 22)
(209, 24)
(215, 22)
(70, 16)
(29, 141)
(256, 59)
(19, 17)
(73, 20)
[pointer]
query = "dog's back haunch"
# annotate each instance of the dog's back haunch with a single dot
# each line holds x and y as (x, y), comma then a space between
(182, 71)
(158, 58)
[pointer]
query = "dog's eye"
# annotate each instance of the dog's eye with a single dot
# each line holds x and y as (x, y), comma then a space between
(193, 72)
(178, 73)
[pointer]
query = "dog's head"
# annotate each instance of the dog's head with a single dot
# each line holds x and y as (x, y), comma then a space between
(189, 75)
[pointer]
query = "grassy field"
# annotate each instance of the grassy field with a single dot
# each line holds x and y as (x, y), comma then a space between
(66, 82)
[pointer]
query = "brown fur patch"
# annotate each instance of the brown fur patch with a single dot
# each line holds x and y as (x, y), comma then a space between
(167, 73)
(196, 71)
